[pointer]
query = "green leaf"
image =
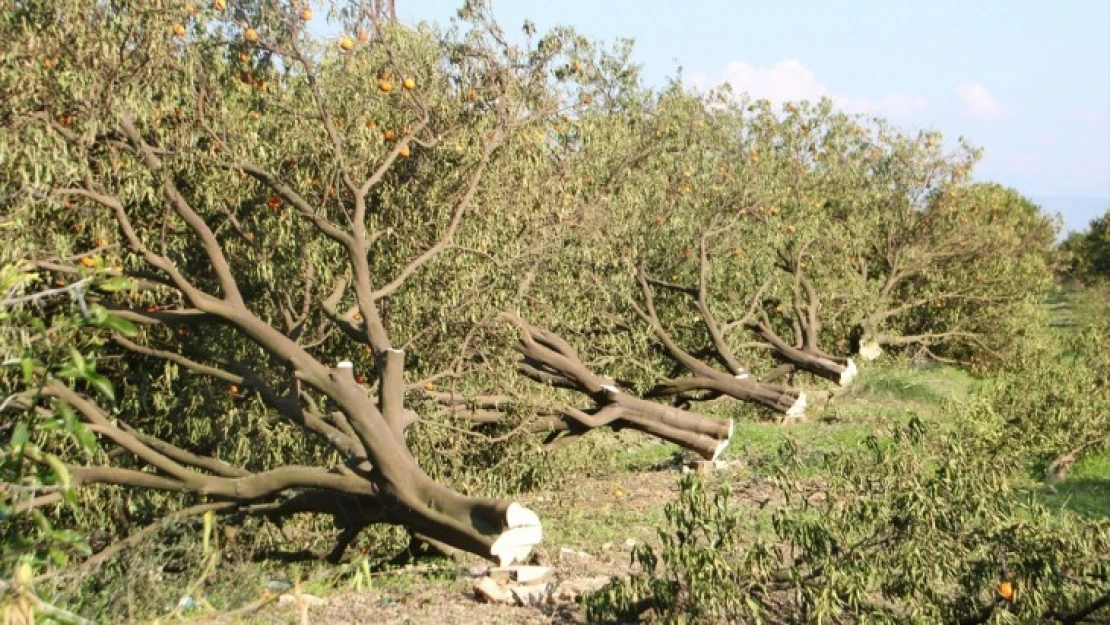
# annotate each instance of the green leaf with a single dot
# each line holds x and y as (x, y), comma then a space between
(70, 372)
(117, 284)
(119, 324)
(28, 365)
(102, 384)
(61, 472)
(79, 363)
(20, 435)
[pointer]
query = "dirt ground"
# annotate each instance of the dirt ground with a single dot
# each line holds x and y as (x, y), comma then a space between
(591, 531)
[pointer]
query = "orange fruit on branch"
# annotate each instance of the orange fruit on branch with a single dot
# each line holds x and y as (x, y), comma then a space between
(274, 202)
(306, 14)
(389, 135)
(346, 44)
(178, 30)
(88, 261)
(385, 86)
(405, 152)
(1006, 590)
(409, 84)
(219, 5)
(251, 35)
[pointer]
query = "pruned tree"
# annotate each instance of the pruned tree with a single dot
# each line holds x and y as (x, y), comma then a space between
(279, 233)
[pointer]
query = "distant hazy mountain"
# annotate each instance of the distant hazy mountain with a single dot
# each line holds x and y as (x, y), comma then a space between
(1077, 211)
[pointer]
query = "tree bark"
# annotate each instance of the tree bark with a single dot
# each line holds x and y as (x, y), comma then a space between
(548, 359)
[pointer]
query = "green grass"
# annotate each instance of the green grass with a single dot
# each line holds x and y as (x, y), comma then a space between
(884, 397)
(1086, 489)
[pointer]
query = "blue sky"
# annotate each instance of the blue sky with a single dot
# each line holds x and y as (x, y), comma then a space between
(1028, 80)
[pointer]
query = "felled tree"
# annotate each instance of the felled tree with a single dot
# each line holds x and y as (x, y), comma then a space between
(684, 257)
(592, 155)
(938, 263)
(263, 211)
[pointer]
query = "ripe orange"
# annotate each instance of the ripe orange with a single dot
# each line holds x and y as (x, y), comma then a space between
(346, 44)
(429, 387)
(274, 202)
(405, 152)
(244, 57)
(389, 135)
(233, 389)
(472, 95)
(178, 30)
(370, 125)
(1006, 590)
(361, 379)
(251, 35)
(409, 84)
(99, 242)
(219, 5)
(88, 261)
(306, 14)
(385, 85)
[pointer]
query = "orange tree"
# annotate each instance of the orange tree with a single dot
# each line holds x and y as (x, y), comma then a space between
(1089, 251)
(917, 257)
(696, 261)
(281, 219)
(594, 154)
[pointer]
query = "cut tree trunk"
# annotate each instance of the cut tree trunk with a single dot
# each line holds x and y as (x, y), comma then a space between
(809, 358)
(784, 400)
(549, 359)
(500, 530)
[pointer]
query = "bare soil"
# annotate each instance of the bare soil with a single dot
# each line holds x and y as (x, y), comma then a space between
(591, 531)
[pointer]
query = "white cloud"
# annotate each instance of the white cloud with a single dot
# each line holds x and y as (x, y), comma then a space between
(894, 104)
(790, 80)
(1088, 116)
(977, 100)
